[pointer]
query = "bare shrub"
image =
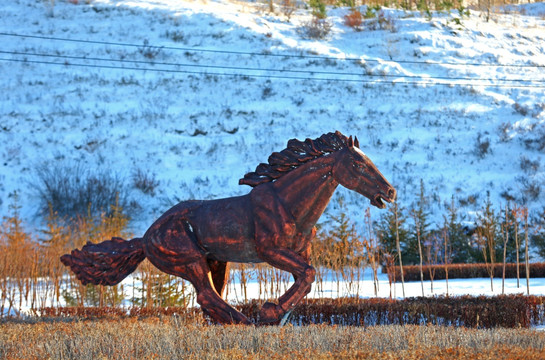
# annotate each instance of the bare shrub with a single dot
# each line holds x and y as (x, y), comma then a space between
(354, 20)
(381, 21)
(504, 129)
(529, 166)
(315, 28)
(535, 139)
(288, 8)
(521, 109)
(149, 51)
(176, 36)
(72, 191)
(482, 146)
(270, 4)
(144, 181)
(533, 111)
(538, 109)
(267, 91)
(530, 189)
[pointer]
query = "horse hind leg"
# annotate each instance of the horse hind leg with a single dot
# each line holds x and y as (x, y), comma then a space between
(219, 272)
(220, 275)
(199, 275)
(172, 247)
(208, 298)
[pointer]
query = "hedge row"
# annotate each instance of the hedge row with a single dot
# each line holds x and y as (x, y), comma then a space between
(467, 271)
(482, 312)
(509, 311)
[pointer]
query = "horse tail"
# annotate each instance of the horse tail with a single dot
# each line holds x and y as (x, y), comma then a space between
(106, 263)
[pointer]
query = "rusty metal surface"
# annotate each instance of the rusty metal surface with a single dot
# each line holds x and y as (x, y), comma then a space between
(273, 223)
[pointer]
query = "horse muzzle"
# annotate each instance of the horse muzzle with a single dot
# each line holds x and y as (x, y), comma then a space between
(381, 198)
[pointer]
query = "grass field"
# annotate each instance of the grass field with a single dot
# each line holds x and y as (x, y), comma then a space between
(177, 338)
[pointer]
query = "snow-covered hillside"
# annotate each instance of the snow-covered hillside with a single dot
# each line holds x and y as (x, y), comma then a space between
(197, 93)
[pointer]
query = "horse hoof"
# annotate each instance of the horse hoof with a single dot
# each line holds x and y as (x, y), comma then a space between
(270, 313)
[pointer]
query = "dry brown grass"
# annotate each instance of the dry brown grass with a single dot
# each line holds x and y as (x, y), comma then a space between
(175, 338)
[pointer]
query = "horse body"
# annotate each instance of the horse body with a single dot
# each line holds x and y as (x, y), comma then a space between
(221, 228)
(274, 223)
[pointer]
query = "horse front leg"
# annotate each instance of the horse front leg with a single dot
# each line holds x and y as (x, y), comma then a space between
(304, 274)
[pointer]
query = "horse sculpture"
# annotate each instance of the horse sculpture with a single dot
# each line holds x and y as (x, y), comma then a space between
(273, 223)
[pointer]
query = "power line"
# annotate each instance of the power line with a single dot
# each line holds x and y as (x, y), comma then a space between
(205, 66)
(238, 68)
(184, 71)
(376, 81)
(192, 49)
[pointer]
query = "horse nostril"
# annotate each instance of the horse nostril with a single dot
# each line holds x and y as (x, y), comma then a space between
(391, 193)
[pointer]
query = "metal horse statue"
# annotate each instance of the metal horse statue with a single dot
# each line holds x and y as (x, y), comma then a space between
(273, 223)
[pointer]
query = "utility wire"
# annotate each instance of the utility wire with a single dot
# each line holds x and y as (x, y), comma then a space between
(269, 76)
(191, 49)
(305, 72)
(204, 66)
(183, 71)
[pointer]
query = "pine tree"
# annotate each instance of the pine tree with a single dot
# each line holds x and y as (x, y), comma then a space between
(514, 245)
(19, 249)
(537, 238)
(516, 213)
(86, 228)
(166, 290)
(346, 246)
(169, 291)
(386, 231)
(487, 233)
(461, 250)
(53, 245)
(391, 231)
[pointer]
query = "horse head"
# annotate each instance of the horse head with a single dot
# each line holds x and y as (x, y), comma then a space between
(355, 171)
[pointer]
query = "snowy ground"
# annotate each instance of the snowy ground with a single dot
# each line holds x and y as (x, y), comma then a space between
(197, 93)
(456, 287)
(364, 289)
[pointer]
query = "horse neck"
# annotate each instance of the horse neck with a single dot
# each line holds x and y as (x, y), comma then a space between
(307, 190)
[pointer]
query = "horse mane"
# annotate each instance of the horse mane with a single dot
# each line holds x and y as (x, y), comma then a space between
(294, 155)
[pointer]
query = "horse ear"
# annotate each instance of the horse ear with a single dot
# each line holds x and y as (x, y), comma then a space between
(350, 141)
(356, 142)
